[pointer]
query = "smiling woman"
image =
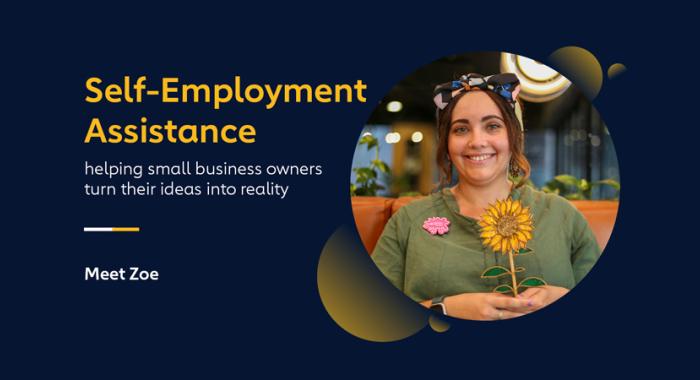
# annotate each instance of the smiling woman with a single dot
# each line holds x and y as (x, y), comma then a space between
(440, 250)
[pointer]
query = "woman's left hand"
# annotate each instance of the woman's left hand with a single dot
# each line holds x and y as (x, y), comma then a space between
(543, 295)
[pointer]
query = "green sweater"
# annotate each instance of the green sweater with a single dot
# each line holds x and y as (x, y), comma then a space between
(425, 266)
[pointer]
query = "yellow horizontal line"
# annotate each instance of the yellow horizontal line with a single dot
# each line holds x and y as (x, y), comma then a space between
(126, 229)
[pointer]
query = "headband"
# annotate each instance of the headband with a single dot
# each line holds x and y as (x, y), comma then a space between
(506, 85)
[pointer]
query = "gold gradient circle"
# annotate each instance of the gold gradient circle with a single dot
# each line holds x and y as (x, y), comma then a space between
(616, 69)
(359, 298)
(438, 325)
(581, 67)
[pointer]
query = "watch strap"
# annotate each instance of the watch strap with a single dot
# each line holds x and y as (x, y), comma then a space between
(438, 304)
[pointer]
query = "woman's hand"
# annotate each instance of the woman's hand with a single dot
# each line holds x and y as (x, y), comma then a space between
(543, 295)
(495, 306)
(489, 306)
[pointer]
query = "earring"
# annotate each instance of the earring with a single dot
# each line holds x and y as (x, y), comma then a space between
(514, 169)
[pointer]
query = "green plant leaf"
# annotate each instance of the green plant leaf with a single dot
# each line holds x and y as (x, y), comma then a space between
(372, 144)
(368, 140)
(366, 173)
(381, 165)
(609, 182)
(530, 282)
(523, 251)
(495, 272)
(503, 289)
(583, 185)
(567, 179)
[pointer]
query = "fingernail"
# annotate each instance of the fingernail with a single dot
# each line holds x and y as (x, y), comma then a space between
(529, 303)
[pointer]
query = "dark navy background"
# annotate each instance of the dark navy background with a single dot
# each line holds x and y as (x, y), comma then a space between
(238, 285)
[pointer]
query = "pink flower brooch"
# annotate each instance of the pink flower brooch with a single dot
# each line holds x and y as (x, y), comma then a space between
(436, 225)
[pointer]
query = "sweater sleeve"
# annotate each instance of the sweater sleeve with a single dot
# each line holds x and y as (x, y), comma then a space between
(584, 247)
(390, 252)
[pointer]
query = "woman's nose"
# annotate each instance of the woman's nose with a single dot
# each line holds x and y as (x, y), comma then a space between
(476, 139)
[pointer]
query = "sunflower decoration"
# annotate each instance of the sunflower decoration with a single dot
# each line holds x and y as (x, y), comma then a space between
(506, 227)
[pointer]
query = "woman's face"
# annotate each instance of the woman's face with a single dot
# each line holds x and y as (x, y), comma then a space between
(478, 140)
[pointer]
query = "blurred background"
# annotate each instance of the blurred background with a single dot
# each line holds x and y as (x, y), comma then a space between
(566, 141)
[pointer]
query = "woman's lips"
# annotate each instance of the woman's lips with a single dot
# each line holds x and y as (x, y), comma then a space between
(480, 159)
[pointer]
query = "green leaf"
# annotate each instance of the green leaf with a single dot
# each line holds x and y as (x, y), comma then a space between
(495, 272)
(524, 251)
(583, 185)
(609, 182)
(368, 139)
(503, 289)
(381, 165)
(365, 173)
(566, 179)
(530, 282)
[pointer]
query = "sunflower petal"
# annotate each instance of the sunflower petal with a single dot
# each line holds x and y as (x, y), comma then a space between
(516, 207)
(522, 245)
(513, 243)
(502, 208)
(488, 234)
(525, 227)
(522, 218)
(488, 228)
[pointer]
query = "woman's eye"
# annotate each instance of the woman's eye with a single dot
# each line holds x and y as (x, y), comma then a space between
(460, 130)
(493, 127)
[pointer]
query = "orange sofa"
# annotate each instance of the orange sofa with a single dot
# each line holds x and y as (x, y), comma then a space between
(372, 213)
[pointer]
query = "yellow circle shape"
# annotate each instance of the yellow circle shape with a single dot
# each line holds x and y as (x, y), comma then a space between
(581, 67)
(438, 325)
(359, 298)
(616, 69)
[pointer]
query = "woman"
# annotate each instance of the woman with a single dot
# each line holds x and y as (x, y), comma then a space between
(481, 137)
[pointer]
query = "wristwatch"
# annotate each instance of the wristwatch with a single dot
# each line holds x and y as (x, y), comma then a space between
(438, 305)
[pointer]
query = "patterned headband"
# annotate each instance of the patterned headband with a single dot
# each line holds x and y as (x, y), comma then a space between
(506, 85)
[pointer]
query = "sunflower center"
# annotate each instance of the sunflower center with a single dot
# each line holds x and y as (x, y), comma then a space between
(507, 225)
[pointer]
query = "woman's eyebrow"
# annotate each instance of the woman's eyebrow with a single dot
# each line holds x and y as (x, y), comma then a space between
(487, 117)
(465, 121)
(492, 117)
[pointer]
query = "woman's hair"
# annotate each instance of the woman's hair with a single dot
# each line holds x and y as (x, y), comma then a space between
(516, 139)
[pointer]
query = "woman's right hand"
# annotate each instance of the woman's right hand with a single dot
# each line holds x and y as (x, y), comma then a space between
(487, 306)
